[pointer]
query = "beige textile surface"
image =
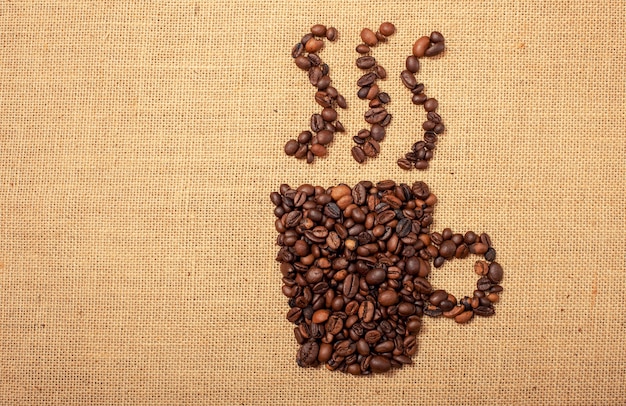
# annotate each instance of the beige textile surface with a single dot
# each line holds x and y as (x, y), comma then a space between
(140, 142)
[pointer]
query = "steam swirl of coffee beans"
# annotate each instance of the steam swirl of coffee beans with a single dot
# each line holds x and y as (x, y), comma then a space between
(355, 265)
(422, 151)
(377, 116)
(311, 144)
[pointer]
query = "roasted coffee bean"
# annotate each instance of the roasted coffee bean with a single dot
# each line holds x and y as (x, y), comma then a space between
(303, 62)
(318, 30)
(291, 147)
(412, 64)
(420, 46)
(387, 29)
(435, 49)
(388, 298)
(367, 79)
(436, 37)
(369, 37)
(332, 34)
(380, 364)
(408, 80)
(375, 115)
(431, 105)
(490, 255)
(366, 62)
(495, 272)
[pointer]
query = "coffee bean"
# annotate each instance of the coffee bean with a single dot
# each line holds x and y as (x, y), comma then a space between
(369, 37)
(435, 49)
(404, 163)
(363, 49)
(365, 62)
(307, 355)
(376, 276)
(380, 364)
(464, 317)
(358, 154)
(388, 298)
(447, 249)
(495, 272)
(431, 105)
(367, 79)
(303, 62)
(291, 147)
(329, 114)
(408, 80)
(420, 46)
(375, 115)
(436, 37)
(387, 29)
(318, 30)
(318, 150)
(332, 34)
(412, 64)
(313, 45)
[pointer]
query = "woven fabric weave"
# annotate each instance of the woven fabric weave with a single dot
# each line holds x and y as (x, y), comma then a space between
(140, 142)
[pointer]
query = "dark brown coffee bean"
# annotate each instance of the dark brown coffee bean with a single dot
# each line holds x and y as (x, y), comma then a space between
(385, 346)
(303, 62)
(387, 29)
(291, 147)
(431, 105)
(464, 317)
(408, 80)
(376, 276)
(371, 148)
(436, 37)
(363, 49)
(317, 122)
(318, 30)
(380, 364)
(318, 150)
(447, 249)
(297, 50)
(329, 114)
(404, 227)
(388, 298)
(419, 98)
(435, 49)
(365, 62)
(367, 79)
(325, 137)
(358, 154)
(375, 115)
(307, 355)
(490, 255)
(369, 37)
(495, 272)
(331, 33)
(404, 164)
(323, 83)
(412, 64)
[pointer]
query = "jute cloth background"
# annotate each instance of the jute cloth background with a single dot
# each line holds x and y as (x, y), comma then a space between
(140, 142)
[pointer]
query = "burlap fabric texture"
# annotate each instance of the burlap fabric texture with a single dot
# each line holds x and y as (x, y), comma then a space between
(141, 140)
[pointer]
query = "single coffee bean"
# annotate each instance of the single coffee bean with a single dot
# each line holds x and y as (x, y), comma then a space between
(369, 37)
(412, 64)
(447, 249)
(495, 272)
(408, 80)
(420, 46)
(331, 34)
(435, 49)
(307, 355)
(365, 62)
(380, 364)
(436, 37)
(313, 45)
(367, 79)
(431, 105)
(291, 147)
(464, 317)
(318, 30)
(387, 29)
(388, 298)
(363, 49)
(303, 62)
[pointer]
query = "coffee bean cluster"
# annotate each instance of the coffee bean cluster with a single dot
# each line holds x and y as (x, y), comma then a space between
(355, 263)
(311, 144)
(422, 151)
(377, 116)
